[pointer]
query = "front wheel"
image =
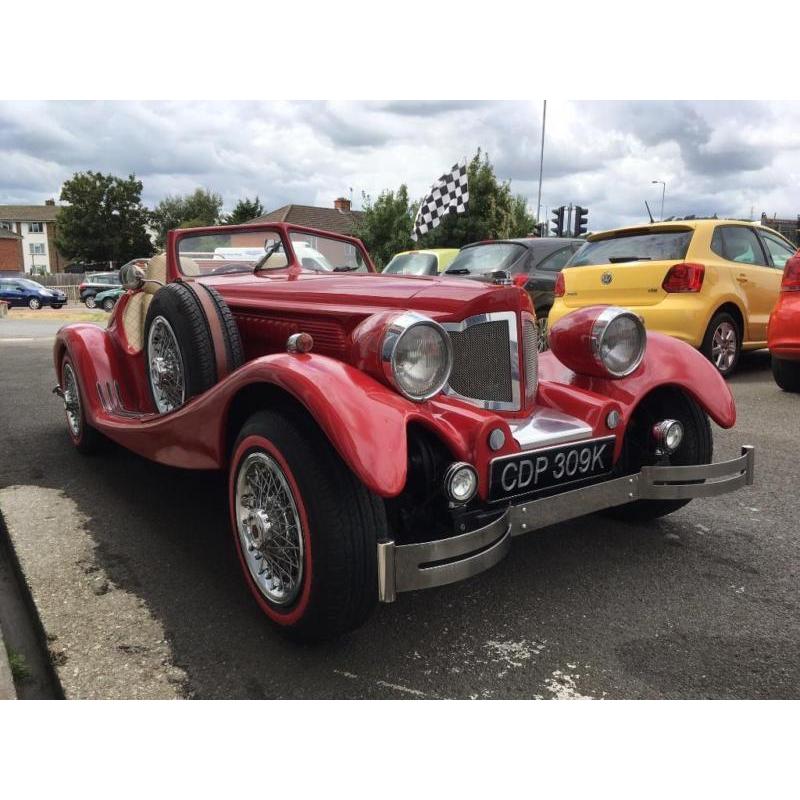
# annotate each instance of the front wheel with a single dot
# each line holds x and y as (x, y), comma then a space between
(56, 306)
(86, 439)
(542, 330)
(305, 528)
(638, 450)
(786, 374)
(722, 343)
(108, 304)
(90, 301)
(34, 304)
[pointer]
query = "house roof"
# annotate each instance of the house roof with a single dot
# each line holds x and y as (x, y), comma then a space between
(4, 234)
(41, 213)
(326, 219)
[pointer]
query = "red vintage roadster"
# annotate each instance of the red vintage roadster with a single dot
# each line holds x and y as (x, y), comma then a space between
(385, 433)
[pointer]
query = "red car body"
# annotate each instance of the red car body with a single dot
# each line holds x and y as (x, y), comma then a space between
(373, 427)
(783, 330)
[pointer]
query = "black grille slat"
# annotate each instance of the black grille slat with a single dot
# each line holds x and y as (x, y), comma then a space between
(481, 363)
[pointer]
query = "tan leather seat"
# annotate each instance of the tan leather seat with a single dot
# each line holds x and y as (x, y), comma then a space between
(135, 312)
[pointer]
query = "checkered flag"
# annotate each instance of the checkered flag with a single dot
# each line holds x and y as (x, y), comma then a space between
(450, 194)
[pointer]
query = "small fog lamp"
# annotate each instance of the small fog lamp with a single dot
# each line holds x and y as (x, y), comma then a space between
(668, 435)
(461, 482)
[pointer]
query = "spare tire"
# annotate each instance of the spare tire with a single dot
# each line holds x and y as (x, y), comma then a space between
(191, 342)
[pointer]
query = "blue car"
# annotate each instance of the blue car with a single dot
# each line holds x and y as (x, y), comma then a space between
(24, 292)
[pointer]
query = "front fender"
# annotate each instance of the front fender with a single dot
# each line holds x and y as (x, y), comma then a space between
(667, 362)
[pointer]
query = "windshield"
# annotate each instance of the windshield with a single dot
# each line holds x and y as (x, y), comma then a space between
(650, 246)
(486, 257)
(103, 277)
(326, 254)
(412, 264)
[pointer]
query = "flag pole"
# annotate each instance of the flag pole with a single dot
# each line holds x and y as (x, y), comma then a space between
(541, 164)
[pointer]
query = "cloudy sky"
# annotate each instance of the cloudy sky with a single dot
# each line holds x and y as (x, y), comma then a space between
(716, 157)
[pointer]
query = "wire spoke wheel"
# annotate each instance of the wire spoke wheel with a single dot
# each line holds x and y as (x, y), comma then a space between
(165, 366)
(269, 528)
(72, 400)
(543, 334)
(723, 346)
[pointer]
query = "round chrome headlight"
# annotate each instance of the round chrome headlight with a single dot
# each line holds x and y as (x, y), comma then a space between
(618, 341)
(417, 356)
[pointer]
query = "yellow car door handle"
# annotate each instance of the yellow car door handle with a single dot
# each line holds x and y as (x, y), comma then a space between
(741, 278)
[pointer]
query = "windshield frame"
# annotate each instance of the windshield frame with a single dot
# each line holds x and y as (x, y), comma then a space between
(281, 229)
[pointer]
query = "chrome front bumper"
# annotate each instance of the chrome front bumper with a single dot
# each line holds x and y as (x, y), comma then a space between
(403, 568)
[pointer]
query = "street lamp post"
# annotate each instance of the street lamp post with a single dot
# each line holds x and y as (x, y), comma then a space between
(663, 192)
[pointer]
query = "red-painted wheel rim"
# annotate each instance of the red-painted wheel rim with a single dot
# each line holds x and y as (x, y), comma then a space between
(283, 613)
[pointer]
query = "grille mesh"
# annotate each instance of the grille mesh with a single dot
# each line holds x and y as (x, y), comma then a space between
(481, 364)
(530, 344)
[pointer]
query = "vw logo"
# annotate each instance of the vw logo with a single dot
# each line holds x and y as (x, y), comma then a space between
(606, 278)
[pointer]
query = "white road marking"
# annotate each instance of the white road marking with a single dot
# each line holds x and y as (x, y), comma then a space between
(403, 689)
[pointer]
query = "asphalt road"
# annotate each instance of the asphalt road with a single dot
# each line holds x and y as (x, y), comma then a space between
(703, 604)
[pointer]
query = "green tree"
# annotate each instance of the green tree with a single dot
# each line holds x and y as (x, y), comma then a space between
(104, 219)
(201, 207)
(493, 212)
(385, 225)
(244, 211)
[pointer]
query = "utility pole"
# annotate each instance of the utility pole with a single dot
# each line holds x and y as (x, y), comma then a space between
(541, 164)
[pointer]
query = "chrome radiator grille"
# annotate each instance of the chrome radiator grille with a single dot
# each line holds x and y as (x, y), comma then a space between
(530, 350)
(486, 363)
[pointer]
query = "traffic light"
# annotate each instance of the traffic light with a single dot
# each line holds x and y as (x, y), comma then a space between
(581, 218)
(558, 221)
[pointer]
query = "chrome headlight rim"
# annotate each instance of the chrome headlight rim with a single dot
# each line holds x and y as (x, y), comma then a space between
(394, 333)
(599, 331)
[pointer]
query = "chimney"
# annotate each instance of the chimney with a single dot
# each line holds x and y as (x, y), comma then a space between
(341, 204)
(50, 202)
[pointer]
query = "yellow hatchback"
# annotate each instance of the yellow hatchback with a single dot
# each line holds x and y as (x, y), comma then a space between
(710, 282)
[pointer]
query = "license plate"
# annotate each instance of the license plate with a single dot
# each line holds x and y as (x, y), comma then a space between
(536, 470)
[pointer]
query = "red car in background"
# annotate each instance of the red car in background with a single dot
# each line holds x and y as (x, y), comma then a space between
(783, 332)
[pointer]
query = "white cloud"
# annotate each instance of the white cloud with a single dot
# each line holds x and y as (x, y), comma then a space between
(722, 157)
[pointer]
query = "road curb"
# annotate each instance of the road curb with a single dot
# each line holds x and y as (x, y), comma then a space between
(7, 689)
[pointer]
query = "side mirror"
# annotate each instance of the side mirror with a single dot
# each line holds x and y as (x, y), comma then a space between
(131, 276)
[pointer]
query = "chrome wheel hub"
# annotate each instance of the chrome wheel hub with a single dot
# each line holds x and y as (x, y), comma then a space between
(723, 346)
(166, 371)
(543, 342)
(72, 401)
(269, 528)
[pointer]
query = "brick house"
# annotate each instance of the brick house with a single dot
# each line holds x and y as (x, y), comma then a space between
(36, 228)
(10, 251)
(339, 219)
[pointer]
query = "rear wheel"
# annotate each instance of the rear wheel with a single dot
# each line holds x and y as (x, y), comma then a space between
(786, 374)
(305, 528)
(34, 304)
(108, 304)
(722, 343)
(542, 330)
(638, 450)
(87, 440)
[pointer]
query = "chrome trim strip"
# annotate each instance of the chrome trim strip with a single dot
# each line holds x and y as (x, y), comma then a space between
(403, 568)
(548, 426)
(509, 317)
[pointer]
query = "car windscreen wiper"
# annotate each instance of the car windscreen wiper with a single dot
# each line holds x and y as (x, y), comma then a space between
(268, 252)
(461, 271)
(623, 259)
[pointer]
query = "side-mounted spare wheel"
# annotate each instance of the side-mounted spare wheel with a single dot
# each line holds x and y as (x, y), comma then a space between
(187, 347)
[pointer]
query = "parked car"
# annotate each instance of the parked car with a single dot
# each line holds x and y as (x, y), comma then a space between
(97, 282)
(421, 262)
(384, 433)
(711, 283)
(783, 331)
(108, 299)
(25, 292)
(532, 263)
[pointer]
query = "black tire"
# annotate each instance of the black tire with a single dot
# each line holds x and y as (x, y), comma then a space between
(56, 306)
(34, 304)
(89, 301)
(88, 440)
(108, 304)
(345, 522)
(786, 374)
(178, 305)
(718, 322)
(697, 447)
